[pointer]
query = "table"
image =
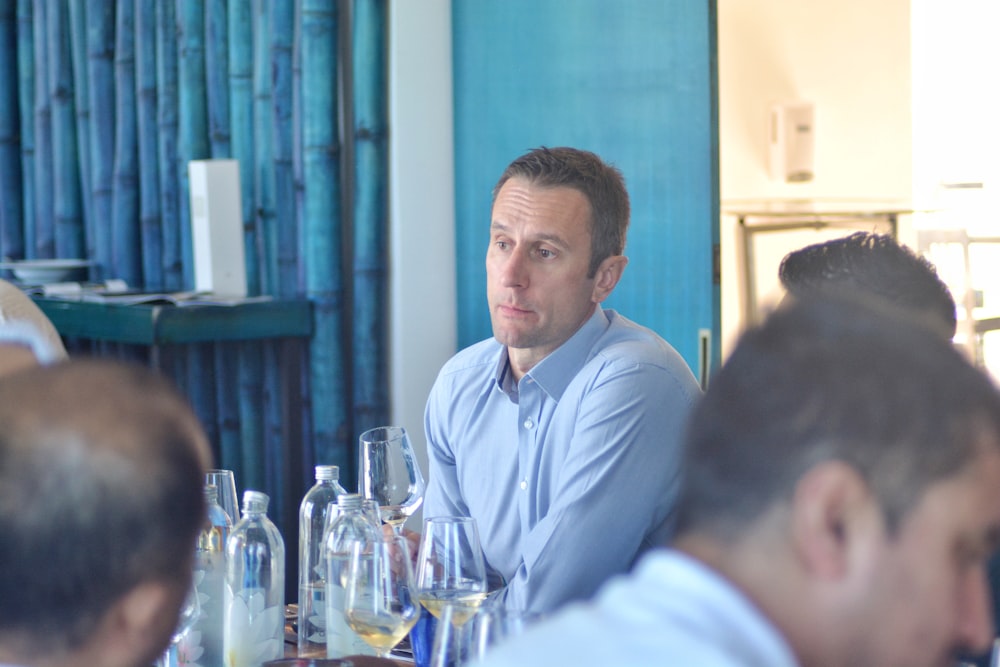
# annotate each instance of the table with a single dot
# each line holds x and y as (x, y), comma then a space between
(291, 651)
(768, 216)
(366, 661)
(158, 324)
(154, 324)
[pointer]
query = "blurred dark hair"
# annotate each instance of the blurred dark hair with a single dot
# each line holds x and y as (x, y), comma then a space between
(101, 475)
(602, 184)
(873, 263)
(832, 378)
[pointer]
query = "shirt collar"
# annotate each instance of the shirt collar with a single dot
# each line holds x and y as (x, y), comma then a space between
(554, 373)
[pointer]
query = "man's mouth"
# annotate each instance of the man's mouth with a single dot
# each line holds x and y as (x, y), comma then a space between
(513, 311)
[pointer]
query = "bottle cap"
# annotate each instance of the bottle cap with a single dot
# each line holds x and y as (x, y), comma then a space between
(327, 473)
(349, 501)
(256, 500)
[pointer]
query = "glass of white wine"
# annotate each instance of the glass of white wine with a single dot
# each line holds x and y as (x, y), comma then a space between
(450, 568)
(381, 605)
(389, 474)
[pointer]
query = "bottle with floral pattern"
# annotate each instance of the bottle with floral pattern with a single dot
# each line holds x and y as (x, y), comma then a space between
(255, 587)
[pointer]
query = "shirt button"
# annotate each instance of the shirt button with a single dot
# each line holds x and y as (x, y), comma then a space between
(524, 485)
(528, 423)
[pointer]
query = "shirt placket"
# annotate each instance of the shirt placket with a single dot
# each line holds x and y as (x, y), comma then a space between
(529, 410)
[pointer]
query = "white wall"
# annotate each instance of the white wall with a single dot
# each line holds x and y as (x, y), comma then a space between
(956, 135)
(851, 59)
(422, 238)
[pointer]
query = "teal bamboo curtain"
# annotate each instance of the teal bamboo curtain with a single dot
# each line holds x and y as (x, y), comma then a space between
(102, 105)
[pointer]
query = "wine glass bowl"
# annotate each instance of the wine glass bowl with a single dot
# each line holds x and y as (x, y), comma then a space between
(381, 606)
(388, 473)
(225, 484)
(451, 571)
(187, 616)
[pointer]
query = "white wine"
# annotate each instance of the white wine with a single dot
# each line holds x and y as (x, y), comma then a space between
(395, 514)
(464, 603)
(381, 631)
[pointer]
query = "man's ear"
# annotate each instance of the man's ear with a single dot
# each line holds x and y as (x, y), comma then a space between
(609, 272)
(137, 627)
(833, 513)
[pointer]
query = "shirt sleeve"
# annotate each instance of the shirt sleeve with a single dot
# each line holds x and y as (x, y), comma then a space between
(616, 488)
(443, 496)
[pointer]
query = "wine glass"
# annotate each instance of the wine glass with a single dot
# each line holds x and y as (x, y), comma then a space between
(189, 614)
(388, 473)
(491, 625)
(372, 511)
(450, 567)
(225, 484)
(381, 607)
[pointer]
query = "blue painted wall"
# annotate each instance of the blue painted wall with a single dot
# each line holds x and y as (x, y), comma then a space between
(635, 82)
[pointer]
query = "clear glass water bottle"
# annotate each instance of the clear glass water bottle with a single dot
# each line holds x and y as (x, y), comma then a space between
(255, 587)
(210, 577)
(348, 525)
(313, 513)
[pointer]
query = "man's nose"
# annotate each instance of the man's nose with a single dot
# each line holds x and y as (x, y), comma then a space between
(975, 622)
(514, 272)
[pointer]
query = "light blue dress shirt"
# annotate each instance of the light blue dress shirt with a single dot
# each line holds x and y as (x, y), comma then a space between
(571, 472)
(672, 610)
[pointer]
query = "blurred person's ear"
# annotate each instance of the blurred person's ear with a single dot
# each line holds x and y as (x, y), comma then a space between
(138, 626)
(834, 517)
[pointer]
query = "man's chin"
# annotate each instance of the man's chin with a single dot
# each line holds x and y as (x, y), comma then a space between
(513, 340)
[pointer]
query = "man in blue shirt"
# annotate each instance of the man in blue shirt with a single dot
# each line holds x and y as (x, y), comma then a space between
(560, 434)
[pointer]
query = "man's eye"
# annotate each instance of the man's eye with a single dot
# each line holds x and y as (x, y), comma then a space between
(545, 254)
(502, 245)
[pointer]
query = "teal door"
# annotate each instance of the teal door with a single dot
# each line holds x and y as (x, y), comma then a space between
(635, 82)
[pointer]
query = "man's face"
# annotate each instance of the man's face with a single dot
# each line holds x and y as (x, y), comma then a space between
(929, 598)
(536, 269)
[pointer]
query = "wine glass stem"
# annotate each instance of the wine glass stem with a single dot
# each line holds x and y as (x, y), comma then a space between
(168, 657)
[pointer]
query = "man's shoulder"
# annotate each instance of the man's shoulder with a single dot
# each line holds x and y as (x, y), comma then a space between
(631, 342)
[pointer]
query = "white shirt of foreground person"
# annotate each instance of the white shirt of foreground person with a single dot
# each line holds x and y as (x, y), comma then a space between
(569, 473)
(24, 323)
(672, 610)
(22, 346)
